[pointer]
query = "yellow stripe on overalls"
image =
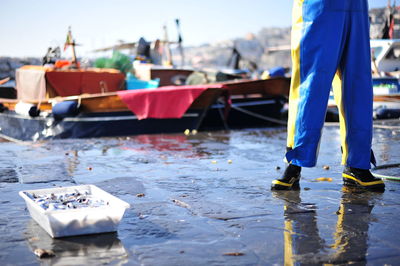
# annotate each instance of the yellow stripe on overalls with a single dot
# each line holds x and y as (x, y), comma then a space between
(296, 35)
(338, 95)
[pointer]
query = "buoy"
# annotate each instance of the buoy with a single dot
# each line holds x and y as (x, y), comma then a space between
(65, 109)
(27, 109)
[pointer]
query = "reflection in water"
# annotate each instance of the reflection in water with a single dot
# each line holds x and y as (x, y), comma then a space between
(72, 162)
(165, 142)
(173, 144)
(301, 237)
(302, 242)
(81, 250)
(140, 149)
(354, 216)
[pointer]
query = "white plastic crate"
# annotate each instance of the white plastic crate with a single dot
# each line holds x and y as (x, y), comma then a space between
(79, 221)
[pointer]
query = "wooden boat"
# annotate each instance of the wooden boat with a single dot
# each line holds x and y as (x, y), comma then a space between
(252, 103)
(102, 112)
(100, 115)
(95, 108)
(66, 101)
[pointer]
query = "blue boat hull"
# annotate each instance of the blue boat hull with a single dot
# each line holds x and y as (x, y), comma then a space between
(91, 125)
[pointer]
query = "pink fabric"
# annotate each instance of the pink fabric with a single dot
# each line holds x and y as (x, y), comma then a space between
(164, 102)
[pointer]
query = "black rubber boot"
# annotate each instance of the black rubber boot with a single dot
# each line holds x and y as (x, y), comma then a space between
(362, 178)
(289, 180)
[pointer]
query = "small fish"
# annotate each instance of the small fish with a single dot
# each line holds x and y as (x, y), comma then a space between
(44, 253)
(52, 207)
(233, 254)
(326, 179)
(64, 201)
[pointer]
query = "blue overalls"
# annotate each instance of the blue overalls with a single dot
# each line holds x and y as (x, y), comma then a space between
(330, 37)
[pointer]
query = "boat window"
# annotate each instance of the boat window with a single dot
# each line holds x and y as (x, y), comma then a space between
(394, 53)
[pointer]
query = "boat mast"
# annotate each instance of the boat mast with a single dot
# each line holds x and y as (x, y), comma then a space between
(180, 42)
(71, 42)
(167, 48)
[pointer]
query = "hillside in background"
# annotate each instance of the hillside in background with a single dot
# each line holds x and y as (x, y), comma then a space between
(255, 48)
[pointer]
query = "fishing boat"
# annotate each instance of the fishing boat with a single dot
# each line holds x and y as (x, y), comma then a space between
(108, 114)
(61, 99)
(85, 103)
(243, 102)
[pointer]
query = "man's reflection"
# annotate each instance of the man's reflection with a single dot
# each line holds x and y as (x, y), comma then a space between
(302, 242)
(354, 217)
(301, 236)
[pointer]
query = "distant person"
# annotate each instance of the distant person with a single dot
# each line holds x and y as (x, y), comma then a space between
(328, 37)
(52, 55)
(143, 50)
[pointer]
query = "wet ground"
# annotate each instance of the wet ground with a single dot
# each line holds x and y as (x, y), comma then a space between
(204, 199)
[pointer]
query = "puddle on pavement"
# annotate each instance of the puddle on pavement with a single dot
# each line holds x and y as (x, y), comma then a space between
(204, 199)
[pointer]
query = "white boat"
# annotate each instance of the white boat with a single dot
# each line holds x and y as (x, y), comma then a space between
(386, 73)
(385, 65)
(386, 57)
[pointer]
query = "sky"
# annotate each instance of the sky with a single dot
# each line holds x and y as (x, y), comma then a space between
(29, 27)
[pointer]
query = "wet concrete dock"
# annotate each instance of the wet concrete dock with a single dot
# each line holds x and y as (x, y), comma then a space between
(204, 199)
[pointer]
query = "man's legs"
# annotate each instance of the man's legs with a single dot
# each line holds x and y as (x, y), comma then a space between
(354, 100)
(327, 35)
(317, 41)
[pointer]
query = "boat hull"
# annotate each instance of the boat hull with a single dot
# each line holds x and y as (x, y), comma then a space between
(245, 113)
(92, 125)
(254, 103)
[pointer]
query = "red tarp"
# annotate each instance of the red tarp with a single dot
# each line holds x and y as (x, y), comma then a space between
(164, 102)
(33, 80)
(79, 82)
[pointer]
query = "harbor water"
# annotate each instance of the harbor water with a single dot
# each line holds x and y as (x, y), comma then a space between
(204, 199)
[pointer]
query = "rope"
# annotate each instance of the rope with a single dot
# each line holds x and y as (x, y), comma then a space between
(270, 119)
(388, 177)
(385, 166)
(262, 117)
